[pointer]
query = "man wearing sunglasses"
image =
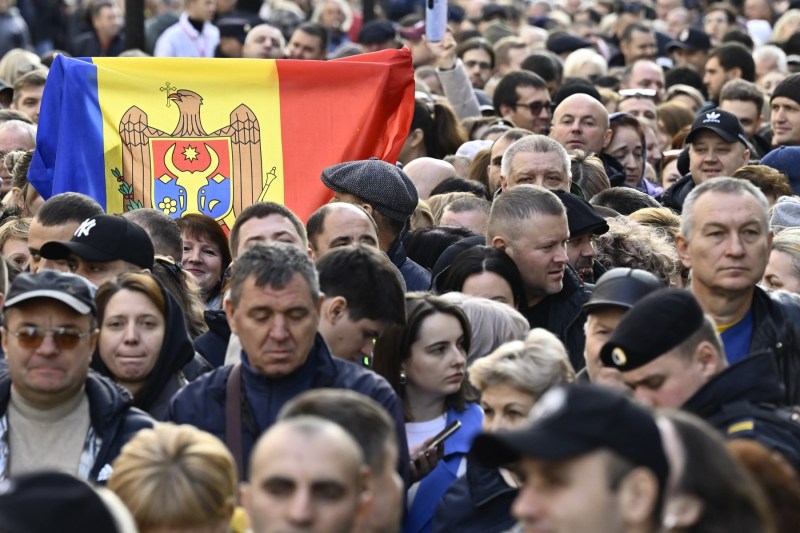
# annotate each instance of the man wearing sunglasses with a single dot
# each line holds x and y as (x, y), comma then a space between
(54, 415)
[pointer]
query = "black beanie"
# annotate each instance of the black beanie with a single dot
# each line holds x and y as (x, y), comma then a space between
(789, 88)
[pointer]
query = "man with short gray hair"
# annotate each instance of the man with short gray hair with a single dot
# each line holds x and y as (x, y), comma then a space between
(274, 307)
(536, 160)
(725, 239)
(529, 223)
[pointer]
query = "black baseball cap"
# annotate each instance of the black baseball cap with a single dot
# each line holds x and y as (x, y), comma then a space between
(105, 238)
(68, 289)
(622, 287)
(691, 39)
(571, 421)
(724, 124)
(659, 322)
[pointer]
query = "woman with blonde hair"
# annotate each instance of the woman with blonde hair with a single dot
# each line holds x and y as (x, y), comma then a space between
(510, 380)
(783, 268)
(176, 478)
(14, 241)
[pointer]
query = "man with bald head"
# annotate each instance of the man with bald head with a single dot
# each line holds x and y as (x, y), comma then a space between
(339, 224)
(264, 42)
(426, 173)
(644, 74)
(306, 474)
(580, 122)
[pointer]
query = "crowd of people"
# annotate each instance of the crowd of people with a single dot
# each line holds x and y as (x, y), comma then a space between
(572, 304)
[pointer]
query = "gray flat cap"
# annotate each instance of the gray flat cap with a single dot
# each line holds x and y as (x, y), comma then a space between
(384, 186)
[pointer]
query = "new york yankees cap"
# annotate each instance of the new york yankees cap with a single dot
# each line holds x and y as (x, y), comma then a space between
(105, 238)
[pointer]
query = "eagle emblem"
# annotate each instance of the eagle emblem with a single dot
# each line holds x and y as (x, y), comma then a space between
(189, 170)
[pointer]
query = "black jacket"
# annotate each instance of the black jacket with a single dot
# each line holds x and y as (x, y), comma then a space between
(677, 193)
(478, 502)
(741, 402)
(213, 344)
(112, 418)
(776, 316)
(565, 316)
(416, 277)
(614, 169)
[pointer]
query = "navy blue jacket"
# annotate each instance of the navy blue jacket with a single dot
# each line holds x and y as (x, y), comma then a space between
(478, 502)
(112, 418)
(202, 402)
(416, 277)
(741, 402)
(213, 344)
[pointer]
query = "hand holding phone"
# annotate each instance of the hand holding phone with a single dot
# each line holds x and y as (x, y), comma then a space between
(428, 455)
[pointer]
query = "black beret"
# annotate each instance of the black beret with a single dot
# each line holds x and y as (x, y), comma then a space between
(581, 216)
(659, 322)
(377, 31)
(383, 185)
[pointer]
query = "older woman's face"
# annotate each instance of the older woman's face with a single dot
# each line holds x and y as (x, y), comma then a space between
(505, 406)
(131, 335)
(626, 147)
(780, 273)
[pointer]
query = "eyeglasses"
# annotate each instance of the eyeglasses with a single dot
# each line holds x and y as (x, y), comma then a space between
(536, 107)
(31, 337)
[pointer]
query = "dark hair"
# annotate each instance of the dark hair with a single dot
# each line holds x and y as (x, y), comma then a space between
(505, 93)
(627, 33)
(442, 131)
(315, 30)
(738, 36)
(361, 416)
(477, 260)
(624, 200)
(67, 207)
(163, 231)
(199, 226)
(744, 90)
(367, 280)
(425, 245)
(456, 184)
(476, 43)
(169, 361)
(545, 64)
(684, 75)
(94, 8)
(263, 210)
(182, 285)
(394, 346)
(730, 12)
(736, 55)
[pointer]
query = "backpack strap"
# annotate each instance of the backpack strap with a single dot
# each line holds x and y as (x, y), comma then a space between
(233, 417)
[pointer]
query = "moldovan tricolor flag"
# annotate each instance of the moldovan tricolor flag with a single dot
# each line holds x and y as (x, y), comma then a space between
(213, 136)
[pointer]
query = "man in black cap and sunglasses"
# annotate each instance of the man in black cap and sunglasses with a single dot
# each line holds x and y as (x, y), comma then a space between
(54, 415)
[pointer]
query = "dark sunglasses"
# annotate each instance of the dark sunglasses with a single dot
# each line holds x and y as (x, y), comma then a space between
(31, 337)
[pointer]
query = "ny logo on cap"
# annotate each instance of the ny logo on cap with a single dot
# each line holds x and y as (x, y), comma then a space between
(551, 403)
(85, 227)
(684, 35)
(712, 117)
